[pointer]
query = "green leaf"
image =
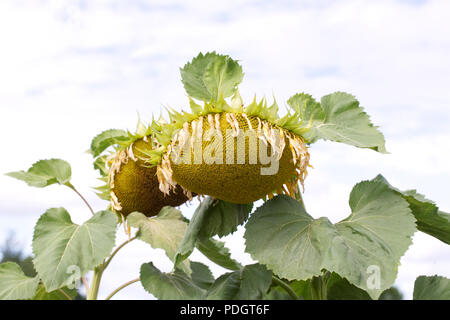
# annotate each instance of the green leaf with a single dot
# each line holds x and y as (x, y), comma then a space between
(216, 251)
(223, 218)
(431, 288)
(191, 235)
(42, 294)
(277, 293)
(250, 283)
(338, 118)
(302, 288)
(310, 113)
(211, 76)
(340, 289)
(429, 219)
(393, 293)
(365, 248)
(44, 173)
(212, 217)
(226, 287)
(106, 139)
(201, 275)
(165, 231)
(175, 285)
(14, 284)
(65, 251)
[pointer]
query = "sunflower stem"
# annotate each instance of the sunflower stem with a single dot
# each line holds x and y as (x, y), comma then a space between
(126, 284)
(81, 196)
(286, 287)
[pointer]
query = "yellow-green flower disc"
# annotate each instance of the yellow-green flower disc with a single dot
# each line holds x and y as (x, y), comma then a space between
(135, 187)
(220, 174)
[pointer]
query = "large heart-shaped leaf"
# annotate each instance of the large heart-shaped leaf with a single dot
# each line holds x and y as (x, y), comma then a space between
(65, 251)
(365, 248)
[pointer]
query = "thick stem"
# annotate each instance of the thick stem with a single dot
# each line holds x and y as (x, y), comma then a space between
(121, 287)
(95, 284)
(81, 196)
(286, 287)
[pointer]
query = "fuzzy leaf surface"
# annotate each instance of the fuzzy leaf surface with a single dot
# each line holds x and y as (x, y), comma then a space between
(65, 251)
(429, 218)
(431, 288)
(364, 247)
(164, 231)
(14, 284)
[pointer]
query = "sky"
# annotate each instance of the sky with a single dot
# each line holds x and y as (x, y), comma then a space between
(71, 69)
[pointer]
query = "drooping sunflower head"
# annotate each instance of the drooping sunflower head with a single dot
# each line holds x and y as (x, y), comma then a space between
(225, 150)
(237, 158)
(130, 184)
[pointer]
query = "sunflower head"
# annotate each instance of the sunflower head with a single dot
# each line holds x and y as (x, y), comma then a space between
(132, 185)
(226, 149)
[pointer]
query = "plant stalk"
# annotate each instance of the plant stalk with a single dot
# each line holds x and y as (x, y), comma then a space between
(117, 250)
(299, 198)
(121, 287)
(95, 283)
(81, 196)
(286, 287)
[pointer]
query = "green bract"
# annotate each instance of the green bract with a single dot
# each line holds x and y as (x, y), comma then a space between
(130, 184)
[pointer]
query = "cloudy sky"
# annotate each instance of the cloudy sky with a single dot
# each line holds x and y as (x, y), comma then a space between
(70, 69)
